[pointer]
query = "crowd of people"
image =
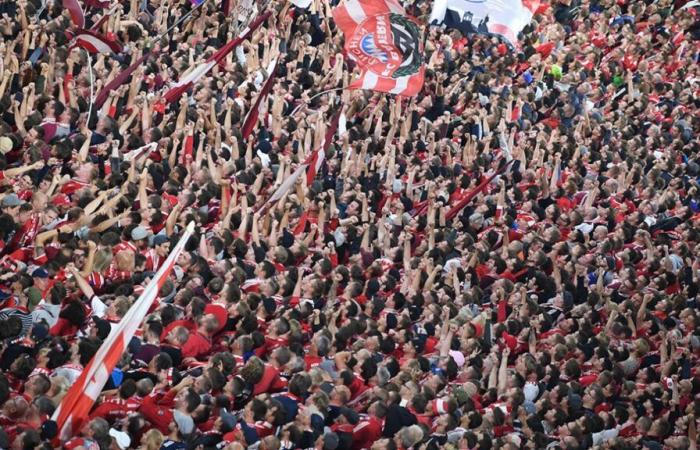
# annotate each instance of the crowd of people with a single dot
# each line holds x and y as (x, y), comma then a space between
(557, 309)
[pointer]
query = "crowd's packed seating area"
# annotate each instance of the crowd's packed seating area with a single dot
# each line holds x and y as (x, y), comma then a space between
(509, 259)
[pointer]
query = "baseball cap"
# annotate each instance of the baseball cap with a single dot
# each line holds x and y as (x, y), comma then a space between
(49, 430)
(11, 201)
(123, 440)
(5, 144)
(40, 273)
(39, 332)
(160, 239)
(139, 233)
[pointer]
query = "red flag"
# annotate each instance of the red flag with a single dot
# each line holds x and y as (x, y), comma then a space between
(98, 3)
(96, 43)
(75, 406)
(312, 164)
(315, 159)
(252, 117)
(120, 79)
(191, 78)
(76, 12)
(386, 45)
(464, 201)
(226, 7)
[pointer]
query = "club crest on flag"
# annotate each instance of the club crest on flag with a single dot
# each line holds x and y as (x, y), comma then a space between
(388, 45)
(385, 44)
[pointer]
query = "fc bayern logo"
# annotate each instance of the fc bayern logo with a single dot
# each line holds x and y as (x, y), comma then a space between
(388, 45)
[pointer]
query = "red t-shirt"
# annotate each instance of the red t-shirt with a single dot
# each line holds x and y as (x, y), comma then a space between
(196, 346)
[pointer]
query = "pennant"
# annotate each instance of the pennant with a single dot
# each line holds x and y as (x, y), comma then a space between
(96, 43)
(312, 164)
(315, 160)
(99, 3)
(135, 153)
(252, 117)
(76, 12)
(73, 411)
(505, 18)
(287, 184)
(226, 7)
(385, 44)
(186, 83)
(469, 196)
(120, 79)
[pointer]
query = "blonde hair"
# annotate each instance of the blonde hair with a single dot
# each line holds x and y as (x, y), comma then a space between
(125, 261)
(60, 385)
(153, 439)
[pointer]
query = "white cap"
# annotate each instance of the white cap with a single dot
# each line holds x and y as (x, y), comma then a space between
(458, 357)
(531, 390)
(123, 440)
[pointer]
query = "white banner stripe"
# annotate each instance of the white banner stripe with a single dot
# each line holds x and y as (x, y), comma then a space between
(401, 85)
(137, 151)
(369, 80)
(355, 11)
(287, 184)
(196, 74)
(395, 7)
(96, 44)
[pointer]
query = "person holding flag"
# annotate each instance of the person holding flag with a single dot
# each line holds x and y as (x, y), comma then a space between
(294, 224)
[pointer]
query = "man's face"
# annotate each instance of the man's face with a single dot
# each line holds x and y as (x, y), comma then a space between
(184, 260)
(24, 216)
(163, 249)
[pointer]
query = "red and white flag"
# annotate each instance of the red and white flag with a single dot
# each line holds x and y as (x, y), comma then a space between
(315, 159)
(96, 43)
(385, 44)
(311, 165)
(76, 12)
(186, 82)
(135, 153)
(255, 109)
(120, 79)
(75, 406)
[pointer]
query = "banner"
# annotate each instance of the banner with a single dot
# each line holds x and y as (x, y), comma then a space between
(311, 165)
(505, 18)
(252, 117)
(385, 44)
(75, 406)
(120, 79)
(76, 12)
(96, 43)
(469, 196)
(192, 77)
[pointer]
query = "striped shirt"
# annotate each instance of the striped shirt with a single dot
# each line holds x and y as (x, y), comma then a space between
(20, 312)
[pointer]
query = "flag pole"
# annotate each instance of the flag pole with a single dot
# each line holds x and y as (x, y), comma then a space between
(92, 89)
(182, 19)
(317, 95)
